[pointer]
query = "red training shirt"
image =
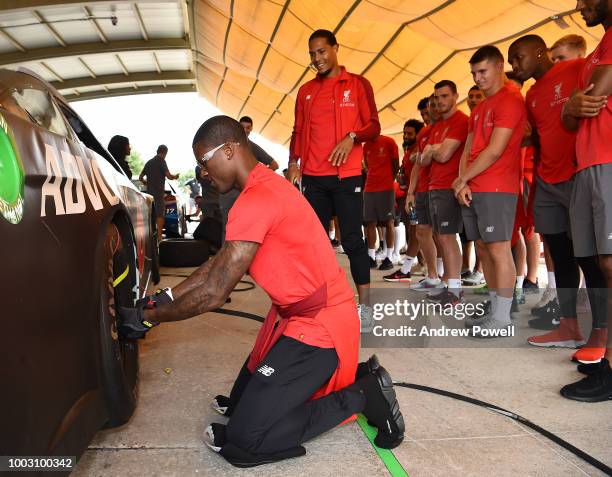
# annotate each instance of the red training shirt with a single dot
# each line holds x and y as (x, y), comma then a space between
(545, 99)
(294, 259)
(593, 143)
(455, 127)
(379, 155)
(423, 177)
(505, 109)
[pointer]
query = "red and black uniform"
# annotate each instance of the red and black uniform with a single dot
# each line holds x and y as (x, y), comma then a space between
(326, 111)
(292, 386)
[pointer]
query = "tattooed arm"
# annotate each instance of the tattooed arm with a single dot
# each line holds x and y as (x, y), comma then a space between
(210, 285)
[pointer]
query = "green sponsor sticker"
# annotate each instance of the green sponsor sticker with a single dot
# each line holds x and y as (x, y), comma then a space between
(11, 177)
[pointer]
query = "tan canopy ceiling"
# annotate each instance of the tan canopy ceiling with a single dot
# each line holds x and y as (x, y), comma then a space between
(252, 55)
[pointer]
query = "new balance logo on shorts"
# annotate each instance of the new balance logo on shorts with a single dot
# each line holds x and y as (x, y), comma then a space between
(490, 228)
(444, 224)
(266, 370)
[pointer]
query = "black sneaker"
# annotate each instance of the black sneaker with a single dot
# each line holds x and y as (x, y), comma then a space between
(529, 286)
(551, 311)
(214, 436)
(397, 276)
(222, 404)
(588, 369)
(373, 263)
(544, 323)
(554, 303)
(465, 273)
(386, 264)
(365, 368)
(382, 408)
(335, 243)
(515, 306)
(445, 297)
(595, 387)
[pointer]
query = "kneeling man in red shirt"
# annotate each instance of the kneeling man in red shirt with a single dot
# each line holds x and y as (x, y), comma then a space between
(301, 378)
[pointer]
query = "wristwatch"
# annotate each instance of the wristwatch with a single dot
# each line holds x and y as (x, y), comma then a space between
(352, 135)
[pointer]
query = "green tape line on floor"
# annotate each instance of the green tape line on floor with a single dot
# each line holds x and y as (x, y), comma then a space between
(387, 457)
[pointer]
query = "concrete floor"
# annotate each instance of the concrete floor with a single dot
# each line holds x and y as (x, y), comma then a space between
(183, 365)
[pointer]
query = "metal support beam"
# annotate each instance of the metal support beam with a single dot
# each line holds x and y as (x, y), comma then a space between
(48, 26)
(131, 91)
(143, 29)
(96, 26)
(122, 64)
(41, 54)
(12, 40)
(86, 66)
(27, 5)
(116, 79)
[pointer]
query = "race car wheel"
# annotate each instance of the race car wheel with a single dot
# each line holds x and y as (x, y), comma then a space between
(119, 356)
(183, 252)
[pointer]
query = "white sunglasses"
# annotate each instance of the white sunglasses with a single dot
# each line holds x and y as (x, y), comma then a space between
(208, 156)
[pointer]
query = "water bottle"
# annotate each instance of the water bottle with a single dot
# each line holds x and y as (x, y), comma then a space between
(412, 216)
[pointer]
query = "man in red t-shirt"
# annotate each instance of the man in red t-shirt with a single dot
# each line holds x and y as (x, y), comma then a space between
(488, 183)
(589, 111)
(334, 114)
(471, 276)
(556, 166)
(447, 139)
(416, 205)
(300, 378)
(381, 158)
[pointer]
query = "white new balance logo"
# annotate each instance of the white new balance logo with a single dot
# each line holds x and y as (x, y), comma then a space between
(490, 228)
(266, 370)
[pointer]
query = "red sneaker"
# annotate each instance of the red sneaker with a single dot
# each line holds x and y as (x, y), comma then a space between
(566, 336)
(595, 348)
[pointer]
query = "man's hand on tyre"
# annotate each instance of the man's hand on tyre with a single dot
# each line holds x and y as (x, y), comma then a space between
(132, 324)
(160, 297)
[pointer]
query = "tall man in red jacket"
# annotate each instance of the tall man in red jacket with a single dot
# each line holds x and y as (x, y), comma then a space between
(589, 111)
(334, 114)
(301, 378)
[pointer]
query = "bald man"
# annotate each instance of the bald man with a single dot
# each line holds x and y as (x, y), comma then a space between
(555, 170)
(301, 378)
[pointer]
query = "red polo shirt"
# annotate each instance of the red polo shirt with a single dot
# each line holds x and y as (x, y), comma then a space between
(423, 178)
(505, 109)
(544, 101)
(455, 127)
(380, 155)
(593, 143)
(294, 258)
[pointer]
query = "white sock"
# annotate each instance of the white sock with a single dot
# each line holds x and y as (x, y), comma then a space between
(407, 266)
(551, 280)
(400, 238)
(502, 311)
(493, 298)
(332, 234)
(454, 285)
(439, 266)
(390, 253)
(519, 281)
(372, 253)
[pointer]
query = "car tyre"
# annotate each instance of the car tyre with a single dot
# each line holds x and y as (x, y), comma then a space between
(183, 252)
(119, 356)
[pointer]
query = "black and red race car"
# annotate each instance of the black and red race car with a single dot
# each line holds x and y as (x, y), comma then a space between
(77, 238)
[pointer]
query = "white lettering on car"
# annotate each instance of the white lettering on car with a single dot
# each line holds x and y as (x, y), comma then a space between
(75, 172)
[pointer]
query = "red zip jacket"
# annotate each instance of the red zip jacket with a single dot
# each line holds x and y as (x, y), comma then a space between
(355, 112)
